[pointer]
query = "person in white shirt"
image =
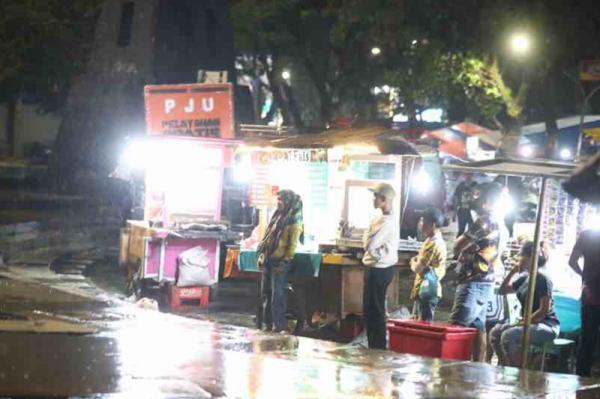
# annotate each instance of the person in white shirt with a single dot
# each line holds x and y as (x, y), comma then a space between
(380, 243)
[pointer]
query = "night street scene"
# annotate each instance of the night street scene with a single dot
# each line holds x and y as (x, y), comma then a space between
(299, 199)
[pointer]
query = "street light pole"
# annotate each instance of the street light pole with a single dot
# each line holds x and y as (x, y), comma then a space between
(533, 269)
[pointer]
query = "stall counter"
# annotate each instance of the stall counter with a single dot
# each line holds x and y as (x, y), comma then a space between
(337, 280)
(341, 284)
(304, 263)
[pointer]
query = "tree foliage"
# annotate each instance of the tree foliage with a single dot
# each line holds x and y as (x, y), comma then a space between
(324, 56)
(424, 52)
(44, 44)
(435, 53)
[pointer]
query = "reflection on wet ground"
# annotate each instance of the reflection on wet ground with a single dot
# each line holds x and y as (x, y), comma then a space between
(140, 354)
(145, 353)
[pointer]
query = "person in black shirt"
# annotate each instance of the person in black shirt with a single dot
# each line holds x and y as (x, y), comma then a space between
(477, 250)
(544, 327)
(588, 247)
(462, 200)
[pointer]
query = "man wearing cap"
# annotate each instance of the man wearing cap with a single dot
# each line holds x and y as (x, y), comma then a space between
(429, 266)
(477, 250)
(380, 243)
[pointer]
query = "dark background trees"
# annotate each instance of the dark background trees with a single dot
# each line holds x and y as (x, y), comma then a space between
(43, 45)
(445, 54)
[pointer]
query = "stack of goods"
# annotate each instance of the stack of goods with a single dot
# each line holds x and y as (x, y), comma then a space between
(561, 214)
(564, 217)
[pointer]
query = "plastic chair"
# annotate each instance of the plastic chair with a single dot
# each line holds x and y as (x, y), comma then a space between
(556, 347)
(568, 310)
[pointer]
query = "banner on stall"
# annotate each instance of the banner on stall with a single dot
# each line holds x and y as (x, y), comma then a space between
(190, 110)
(311, 155)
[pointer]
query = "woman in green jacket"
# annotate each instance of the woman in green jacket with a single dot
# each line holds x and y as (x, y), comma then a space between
(275, 254)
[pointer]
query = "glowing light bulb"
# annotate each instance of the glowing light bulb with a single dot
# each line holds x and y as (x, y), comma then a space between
(565, 153)
(520, 43)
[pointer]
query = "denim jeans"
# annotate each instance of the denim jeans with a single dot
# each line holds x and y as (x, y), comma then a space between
(274, 292)
(425, 309)
(506, 338)
(470, 304)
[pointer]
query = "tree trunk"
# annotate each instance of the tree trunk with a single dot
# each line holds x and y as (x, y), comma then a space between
(106, 104)
(411, 110)
(293, 105)
(511, 134)
(11, 127)
(280, 99)
(256, 91)
(324, 95)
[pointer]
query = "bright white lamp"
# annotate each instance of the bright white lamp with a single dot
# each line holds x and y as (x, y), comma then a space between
(565, 154)
(520, 44)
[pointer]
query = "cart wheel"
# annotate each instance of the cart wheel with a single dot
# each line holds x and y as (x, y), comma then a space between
(134, 283)
(135, 287)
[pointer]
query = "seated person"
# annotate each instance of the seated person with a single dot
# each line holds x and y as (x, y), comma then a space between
(506, 338)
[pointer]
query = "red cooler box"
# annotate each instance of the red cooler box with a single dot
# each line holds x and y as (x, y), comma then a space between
(424, 338)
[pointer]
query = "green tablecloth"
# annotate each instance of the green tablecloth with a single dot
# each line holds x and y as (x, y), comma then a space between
(304, 263)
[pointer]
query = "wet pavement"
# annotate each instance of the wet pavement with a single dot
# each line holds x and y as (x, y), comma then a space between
(141, 353)
(138, 353)
(151, 354)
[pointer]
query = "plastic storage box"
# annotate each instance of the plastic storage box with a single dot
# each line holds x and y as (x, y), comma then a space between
(423, 338)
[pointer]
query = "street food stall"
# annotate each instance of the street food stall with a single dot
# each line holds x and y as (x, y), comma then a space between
(558, 220)
(189, 143)
(332, 172)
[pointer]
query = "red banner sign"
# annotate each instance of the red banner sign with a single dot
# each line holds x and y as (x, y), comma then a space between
(190, 110)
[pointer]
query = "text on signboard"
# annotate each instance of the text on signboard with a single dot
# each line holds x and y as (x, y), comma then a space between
(207, 105)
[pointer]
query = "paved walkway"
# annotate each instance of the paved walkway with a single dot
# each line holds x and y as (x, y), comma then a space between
(142, 353)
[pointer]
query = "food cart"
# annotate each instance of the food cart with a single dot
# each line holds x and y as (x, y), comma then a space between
(189, 143)
(559, 231)
(332, 172)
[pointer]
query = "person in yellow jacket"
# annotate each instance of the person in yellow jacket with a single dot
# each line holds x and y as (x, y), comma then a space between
(431, 259)
(275, 254)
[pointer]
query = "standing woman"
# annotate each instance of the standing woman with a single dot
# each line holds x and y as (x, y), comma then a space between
(506, 338)
(429, 267)
(275, 254)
